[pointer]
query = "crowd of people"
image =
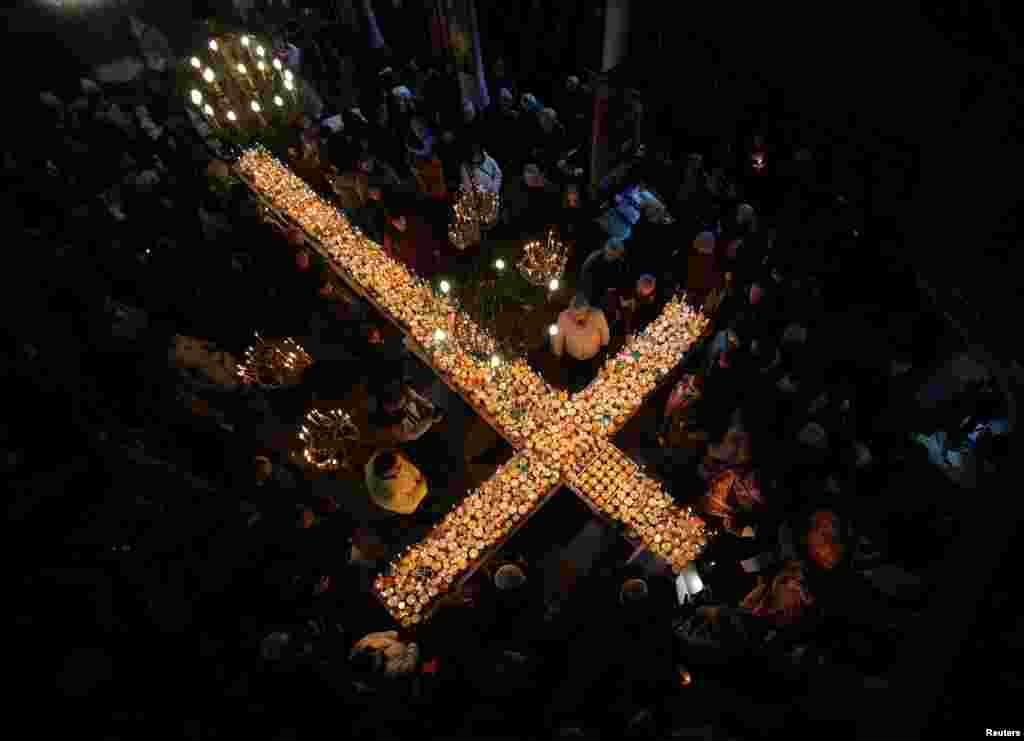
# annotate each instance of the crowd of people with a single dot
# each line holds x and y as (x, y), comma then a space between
(792, 425)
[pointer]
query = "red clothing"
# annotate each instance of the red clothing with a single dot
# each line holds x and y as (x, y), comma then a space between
(417, 247)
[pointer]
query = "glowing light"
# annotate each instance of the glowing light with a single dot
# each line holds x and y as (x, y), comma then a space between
(289, 85)
(197, 97)
(499, 264)
(278, 101)
(553, 330)
(232, 116)
(208, 75)
(553, 285)
(255, 107)
(445, 286)
(287, 74)
(495, 361)
(245, 41)
(213, 45)
(195, 62)
(208, 110)
(277, 64)
(241, 69)
(439, 335)
(260, 51)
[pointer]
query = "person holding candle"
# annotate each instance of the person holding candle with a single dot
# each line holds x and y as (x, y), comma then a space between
(582, 332)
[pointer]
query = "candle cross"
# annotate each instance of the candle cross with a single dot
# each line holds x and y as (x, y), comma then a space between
(558, 440)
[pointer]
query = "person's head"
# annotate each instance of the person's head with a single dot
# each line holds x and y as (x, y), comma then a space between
(614, 249)
(646, 288)
(548, 119)
(373, 334)
(509, 577)
(705, 243)
(385, 463)
(533, 176)
(572, 196)
(263, 469)
(633, 591)
(580, 307)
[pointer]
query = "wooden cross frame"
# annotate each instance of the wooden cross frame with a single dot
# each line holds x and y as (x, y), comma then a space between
(559, 441)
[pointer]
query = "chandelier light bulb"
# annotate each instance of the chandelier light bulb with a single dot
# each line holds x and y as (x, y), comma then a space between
(287, 73)
(278, 101)
(241, 69)
(195, 62)
(260, 51)
(208, 110)
(499, 264)
(445, 286)
(213, 45)
(245, 41)
(553, 285)
(255, 107)
(260, 66)
(277, 64)
(495, 361)
(439, 335)
(208, 75)
(553, 330)
(197, 97)
(289, 85)
(232, 116)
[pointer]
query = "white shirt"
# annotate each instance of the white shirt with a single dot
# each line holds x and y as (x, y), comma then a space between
(581, 341)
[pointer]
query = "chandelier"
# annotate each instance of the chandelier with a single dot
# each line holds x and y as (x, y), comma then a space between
(274, 363)
(328, 439)
(543, 261)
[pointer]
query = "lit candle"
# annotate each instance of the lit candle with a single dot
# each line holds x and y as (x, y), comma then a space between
(553, 285)
(196, 63)
(208, 75)
(499, 264)
(241, 69)
(197, 97)
(245, 41)
(553, 330)
(445, 286)
(232, 117)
